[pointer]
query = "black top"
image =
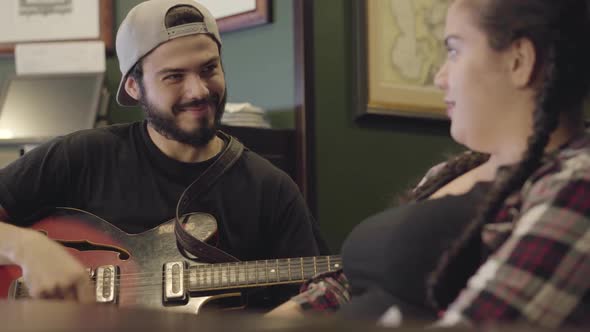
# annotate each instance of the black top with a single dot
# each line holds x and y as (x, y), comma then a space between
(389, 256)
(119, 174)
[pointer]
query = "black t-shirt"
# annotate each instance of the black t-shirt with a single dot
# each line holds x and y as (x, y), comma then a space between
(389, 256)
(118, 173)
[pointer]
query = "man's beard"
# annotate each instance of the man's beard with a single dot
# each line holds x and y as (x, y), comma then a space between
(166, 126)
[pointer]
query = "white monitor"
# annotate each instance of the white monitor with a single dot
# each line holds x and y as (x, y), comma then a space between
(36, 108)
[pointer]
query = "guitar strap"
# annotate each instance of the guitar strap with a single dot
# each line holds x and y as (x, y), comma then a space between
(194, 191)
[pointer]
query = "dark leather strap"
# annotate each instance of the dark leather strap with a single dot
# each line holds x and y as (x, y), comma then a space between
(194, 191)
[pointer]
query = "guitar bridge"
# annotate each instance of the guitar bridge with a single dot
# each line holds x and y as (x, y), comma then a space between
(106, 284)
(174, 287)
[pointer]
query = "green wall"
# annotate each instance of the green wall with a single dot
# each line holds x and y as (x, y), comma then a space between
(360, 167)
(253, 73)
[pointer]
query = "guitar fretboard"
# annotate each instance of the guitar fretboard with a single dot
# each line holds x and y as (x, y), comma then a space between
(259, 273)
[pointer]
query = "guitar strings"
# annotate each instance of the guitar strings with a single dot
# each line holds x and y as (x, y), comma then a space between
(248, 270)
(215, 276)
(241, 266)
(280, 271)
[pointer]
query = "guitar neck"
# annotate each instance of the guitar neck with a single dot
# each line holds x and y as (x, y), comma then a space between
(259, 273)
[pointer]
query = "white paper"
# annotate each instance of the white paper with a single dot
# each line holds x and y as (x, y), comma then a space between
(45, 20)
(60, 58)
(224, 8)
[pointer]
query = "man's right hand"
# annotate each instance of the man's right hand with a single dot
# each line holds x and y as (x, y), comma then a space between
(49, 271)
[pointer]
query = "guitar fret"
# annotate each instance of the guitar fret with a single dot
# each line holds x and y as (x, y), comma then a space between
(272, 273)
(209, 277)
(308, 269)
(322, 264)
(283, 271)
(199, 276)
(216, 276)
(232, 273)
(296, 272)
(194, 278)
(259, 273)
(242, 274)
(302, 272)
(253, 277)
(338, 263)
(227, 276)
(224, 276)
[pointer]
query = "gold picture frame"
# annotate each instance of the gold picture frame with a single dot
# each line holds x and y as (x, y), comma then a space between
(399, 49)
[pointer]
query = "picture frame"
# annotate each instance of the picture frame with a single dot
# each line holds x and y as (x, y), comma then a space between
(387, 80)
(27, 21)
(235, 15)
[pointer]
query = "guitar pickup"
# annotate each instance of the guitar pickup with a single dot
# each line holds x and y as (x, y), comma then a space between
(174, 287)
(106, 284)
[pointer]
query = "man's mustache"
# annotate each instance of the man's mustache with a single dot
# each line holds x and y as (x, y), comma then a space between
(212, 100)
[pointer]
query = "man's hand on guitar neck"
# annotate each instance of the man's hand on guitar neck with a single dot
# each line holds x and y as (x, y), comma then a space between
(49, 271)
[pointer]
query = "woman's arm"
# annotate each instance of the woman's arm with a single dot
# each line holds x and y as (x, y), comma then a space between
(541, 272)
(325, 292)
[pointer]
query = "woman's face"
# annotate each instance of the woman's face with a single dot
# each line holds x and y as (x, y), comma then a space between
(479, 92)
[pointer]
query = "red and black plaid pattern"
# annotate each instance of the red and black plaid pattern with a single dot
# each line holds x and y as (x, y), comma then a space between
(324, 293)
(539, 270)
(539, 267)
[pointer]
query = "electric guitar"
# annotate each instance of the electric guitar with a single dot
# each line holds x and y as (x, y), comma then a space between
(149, 270)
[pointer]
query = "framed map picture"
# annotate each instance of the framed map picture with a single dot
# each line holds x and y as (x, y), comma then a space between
(399, 48)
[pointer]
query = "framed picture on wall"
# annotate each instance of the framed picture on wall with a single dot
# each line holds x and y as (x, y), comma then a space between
(398, 50)
(234, 15)
(23, 21)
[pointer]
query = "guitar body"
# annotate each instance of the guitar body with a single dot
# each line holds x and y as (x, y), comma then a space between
(149, 270)
(139, 257)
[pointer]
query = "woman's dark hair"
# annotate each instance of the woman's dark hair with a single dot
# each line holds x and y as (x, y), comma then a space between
(558, 30)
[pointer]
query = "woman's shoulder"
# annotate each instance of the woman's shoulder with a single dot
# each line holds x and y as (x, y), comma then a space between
(571, 161)
(566, 170)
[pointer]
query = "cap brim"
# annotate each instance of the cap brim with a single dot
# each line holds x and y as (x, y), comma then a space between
(123, 98)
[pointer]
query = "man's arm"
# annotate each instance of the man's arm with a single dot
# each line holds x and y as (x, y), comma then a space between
(4, 237)
(49, 271)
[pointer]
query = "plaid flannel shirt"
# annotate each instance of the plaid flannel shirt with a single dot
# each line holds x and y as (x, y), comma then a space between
(539, 267)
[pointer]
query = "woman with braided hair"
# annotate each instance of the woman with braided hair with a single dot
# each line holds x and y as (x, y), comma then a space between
(501, 232)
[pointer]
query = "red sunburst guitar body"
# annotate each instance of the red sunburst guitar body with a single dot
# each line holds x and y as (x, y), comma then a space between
(149, 270)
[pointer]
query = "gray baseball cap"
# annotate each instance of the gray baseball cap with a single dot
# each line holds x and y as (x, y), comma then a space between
(144, 29)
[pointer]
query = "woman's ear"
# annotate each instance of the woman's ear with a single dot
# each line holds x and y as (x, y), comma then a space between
(522, 59)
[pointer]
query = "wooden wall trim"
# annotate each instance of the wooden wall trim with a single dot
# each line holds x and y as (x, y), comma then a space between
(305, 101)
